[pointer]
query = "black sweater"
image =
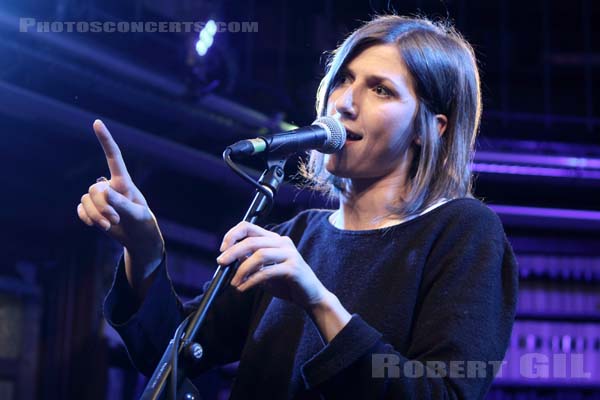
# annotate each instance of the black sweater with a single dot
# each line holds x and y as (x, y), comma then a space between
(441, 287)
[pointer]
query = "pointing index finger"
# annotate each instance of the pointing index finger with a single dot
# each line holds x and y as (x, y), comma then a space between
(116, 165)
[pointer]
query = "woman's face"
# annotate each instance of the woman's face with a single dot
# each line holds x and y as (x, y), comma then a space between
(376, 103)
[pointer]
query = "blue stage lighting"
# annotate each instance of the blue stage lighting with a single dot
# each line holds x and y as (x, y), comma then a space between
(206, 38)
(201, 48)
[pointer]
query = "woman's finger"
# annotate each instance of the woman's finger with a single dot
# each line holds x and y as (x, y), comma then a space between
(263, 275)
(93, 213)
(259, 259)
(98, 193)
(241, 231)
(247, 246)
(83, 215)
(114, 159)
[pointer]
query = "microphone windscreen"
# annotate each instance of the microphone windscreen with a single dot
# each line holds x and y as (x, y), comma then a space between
(336, 134)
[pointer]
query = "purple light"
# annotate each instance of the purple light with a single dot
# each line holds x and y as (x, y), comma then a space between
(555, 344)
(537, 160)
(537, 165)
(554, 213)
(580, 220)
(530, 342)
(566, 343)
(535, 171)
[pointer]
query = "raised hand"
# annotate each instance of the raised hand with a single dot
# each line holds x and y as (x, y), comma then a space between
(118, 207)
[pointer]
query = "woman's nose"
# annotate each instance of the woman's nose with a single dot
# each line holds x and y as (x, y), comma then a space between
(345, 104)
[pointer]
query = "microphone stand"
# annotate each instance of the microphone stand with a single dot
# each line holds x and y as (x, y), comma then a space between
(183, 344)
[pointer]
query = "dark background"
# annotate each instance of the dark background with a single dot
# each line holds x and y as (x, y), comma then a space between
(174, 112)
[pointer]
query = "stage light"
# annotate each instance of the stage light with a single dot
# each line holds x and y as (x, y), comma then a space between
(206, 38)
(211, 27)
(201, 48)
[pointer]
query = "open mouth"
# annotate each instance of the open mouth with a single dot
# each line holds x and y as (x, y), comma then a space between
(352, 136)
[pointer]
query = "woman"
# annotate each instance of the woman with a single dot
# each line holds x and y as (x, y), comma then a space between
(407, 290)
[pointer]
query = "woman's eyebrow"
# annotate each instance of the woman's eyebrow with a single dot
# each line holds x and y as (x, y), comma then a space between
(397, 84)
(385, 78)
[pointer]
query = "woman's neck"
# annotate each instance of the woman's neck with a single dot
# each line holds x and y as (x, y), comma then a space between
(367, 204)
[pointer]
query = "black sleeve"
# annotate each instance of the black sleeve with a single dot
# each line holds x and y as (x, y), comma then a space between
(463, 321)
(146, 329)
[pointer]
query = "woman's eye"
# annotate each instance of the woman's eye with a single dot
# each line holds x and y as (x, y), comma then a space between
(342, 79)
(382, 91)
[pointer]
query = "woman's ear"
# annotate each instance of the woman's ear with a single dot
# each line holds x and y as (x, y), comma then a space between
(442, 122)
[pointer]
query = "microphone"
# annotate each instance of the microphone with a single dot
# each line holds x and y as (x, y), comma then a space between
(326, 135)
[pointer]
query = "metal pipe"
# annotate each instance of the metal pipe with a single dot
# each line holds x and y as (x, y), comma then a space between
(111, 63)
